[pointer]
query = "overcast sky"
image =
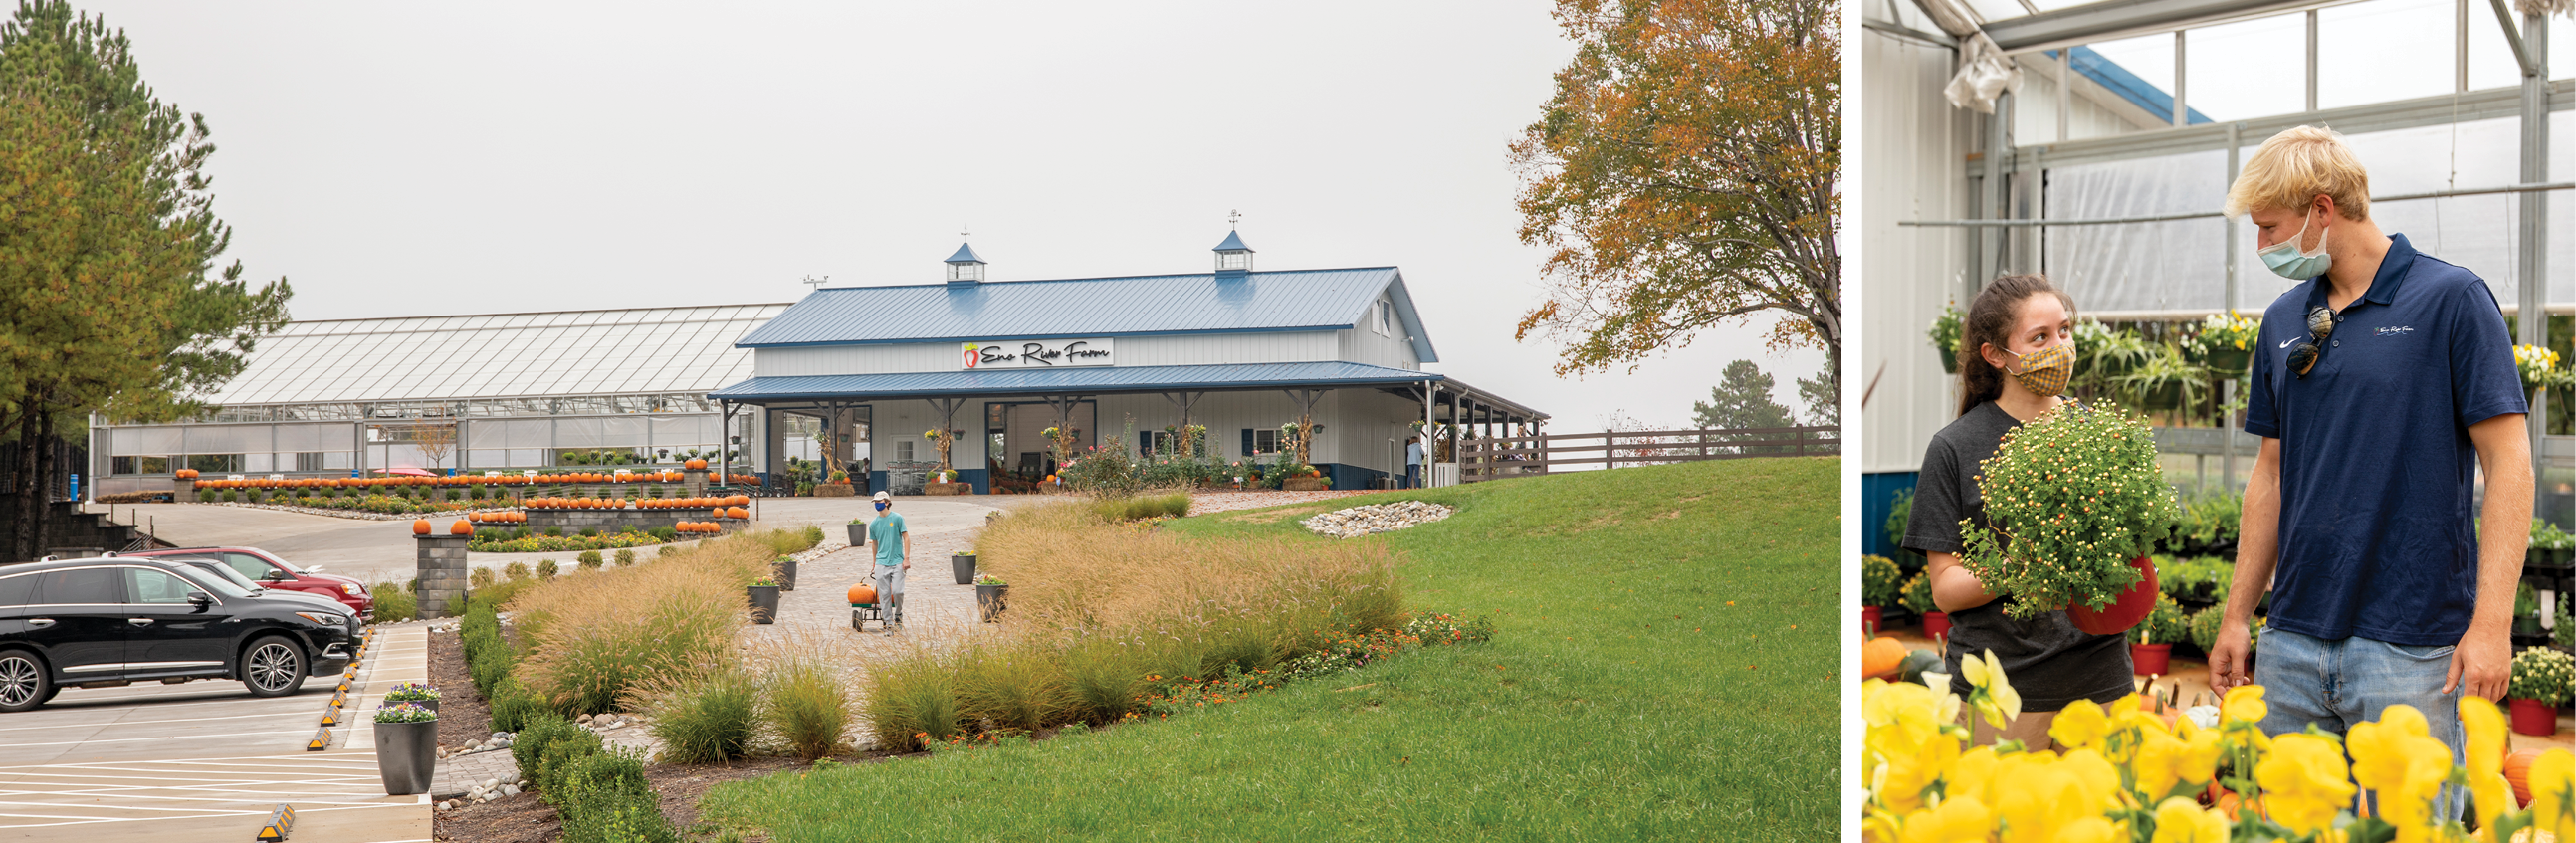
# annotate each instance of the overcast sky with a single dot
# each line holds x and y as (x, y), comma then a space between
(449, 158)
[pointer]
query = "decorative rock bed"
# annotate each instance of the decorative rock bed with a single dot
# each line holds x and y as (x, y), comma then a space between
(1360, 521)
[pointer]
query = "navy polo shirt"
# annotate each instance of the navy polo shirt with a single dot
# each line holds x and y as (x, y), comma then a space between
(2378, 538)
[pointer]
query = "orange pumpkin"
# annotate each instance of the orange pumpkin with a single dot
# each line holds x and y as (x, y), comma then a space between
(460, 528)
(697, 465)
(719, 512)
(2517, 771)
(863, 593)
(738, 512)
(420, 527)
(1881, 658)
(742, 500)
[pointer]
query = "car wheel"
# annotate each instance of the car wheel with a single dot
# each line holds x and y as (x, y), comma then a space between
(23, 681)
(272, 667)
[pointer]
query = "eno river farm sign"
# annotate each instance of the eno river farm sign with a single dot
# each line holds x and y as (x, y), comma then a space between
(1034, 354)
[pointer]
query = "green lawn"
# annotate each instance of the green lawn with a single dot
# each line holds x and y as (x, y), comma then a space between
(1622, 698)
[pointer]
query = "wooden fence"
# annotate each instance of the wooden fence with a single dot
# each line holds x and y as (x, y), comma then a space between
(1512, 456)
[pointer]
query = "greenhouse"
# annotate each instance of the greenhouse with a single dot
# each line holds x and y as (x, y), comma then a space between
(2094, 143)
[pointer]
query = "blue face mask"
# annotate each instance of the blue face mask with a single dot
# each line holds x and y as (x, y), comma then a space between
(881, 506)
(2286, 260)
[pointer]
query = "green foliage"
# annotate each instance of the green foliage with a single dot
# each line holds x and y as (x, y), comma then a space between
(1880, 581)
(2204, 627)
(2565, 632)
(911, 699)
(393, 603)
(589, 532)
(803, 705)
(2073, 496)
(2544, 674)
(1946, 329)
(590, 560)
(1899, 514)
(480, 578)
(545, 569)
(625, 558)
(705, 719)
(1742, 401)
(229, 495)
(2212, 517)
(539, 734)
(1142, 507)
(606, 799)
(665, 535)
(2547, 536)
(2164, 624)
(513, 707)
(516, 570)
(492, 542)
(1918, 594)
(2198, 580)
(2526, 601)
(404, 713)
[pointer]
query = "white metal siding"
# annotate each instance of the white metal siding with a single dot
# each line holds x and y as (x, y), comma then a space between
(1173, 350)
(1909, 273)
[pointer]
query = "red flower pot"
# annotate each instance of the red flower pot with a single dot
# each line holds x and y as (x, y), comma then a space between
(2533, 717)
(1936, 625)
(2123, 613)
(1869, 620)
(2151, 659)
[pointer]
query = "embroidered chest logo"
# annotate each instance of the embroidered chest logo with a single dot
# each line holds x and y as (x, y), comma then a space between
(2398, 330)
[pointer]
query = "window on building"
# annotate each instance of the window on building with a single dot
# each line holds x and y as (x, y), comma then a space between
(138, 465)
(1385, 316)
(1265, 440)
(903, 450)
(216, 463)
(259, 463)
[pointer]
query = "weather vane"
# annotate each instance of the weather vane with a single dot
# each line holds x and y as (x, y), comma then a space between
(817, 283)
(1232, 218)
(965, 232)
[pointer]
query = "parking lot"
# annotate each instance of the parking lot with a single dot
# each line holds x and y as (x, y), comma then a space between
(206, 761)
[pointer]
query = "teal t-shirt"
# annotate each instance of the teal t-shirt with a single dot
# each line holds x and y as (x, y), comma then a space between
(886, 532)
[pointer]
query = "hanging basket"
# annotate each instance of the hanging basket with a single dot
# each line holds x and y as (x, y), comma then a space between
(2123, 613)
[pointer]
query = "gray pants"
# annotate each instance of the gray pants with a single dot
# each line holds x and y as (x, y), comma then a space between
(889, 585)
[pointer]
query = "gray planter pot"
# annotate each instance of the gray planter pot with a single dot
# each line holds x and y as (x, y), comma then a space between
(406, 754)
(764, 603)
(990, 600)
(964, 565)
(858, 535)
(786, 574)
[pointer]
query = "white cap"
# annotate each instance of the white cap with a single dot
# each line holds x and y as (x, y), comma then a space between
(885, 497)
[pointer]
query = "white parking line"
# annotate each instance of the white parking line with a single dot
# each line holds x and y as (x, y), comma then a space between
(140, 722)
(162, 738)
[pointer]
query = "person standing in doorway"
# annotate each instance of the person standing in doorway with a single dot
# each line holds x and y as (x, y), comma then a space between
(894, 557)
(1413, 462)
(2383, 385)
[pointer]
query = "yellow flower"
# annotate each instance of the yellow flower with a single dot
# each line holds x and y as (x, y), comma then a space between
(2303, 782)
(2486, 745)
(1989, 692)
(2100, 781)
(2398, 758)
(1974, 774)
(1914, 710)
(2243, 703)
(2553, 792)
(2090, 830)
(2080, 725)
(2037, 799)
(2166, 762)
(1907, 772)
(1959, 818)
(2180, 820)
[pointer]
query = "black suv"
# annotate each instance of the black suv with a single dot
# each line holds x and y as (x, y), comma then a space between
(99, 623)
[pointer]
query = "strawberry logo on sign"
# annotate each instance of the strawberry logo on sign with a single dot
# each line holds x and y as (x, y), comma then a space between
(971, 356)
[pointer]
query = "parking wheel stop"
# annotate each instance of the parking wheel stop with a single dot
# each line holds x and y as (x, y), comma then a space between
(279, 823)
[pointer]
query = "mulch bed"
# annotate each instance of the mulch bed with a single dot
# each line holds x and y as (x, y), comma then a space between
(463, 714)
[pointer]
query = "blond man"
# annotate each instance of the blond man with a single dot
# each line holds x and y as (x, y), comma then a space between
(2383, 381)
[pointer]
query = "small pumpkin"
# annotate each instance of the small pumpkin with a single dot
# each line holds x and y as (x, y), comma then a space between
(738, 512)
(697, 465)
(1881, 658)
(719, 512)
(460, 528)
(420, 527)
(863, 593)
(2517, 771)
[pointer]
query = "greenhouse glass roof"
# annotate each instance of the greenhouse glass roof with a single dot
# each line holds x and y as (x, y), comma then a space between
(505, 355)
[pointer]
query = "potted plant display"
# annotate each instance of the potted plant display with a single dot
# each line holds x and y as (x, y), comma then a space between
(763, 594)
(2151, 647)
(1945, 337)
(1879, 587)
(858, 532)
(416, 693)
(1918, 597)
(2550, 546)
(2075, 500)
(963, 565)
(2225, 343)
(2542, 679)
(991, 596)
(2526, 610)
(406, 747)
(2163, 381)
(786, 570)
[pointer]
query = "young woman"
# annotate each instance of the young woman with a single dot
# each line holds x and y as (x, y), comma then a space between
(2016, 353)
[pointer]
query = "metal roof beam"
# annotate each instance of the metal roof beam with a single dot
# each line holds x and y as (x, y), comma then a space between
(2440, 109)
(2110, 19)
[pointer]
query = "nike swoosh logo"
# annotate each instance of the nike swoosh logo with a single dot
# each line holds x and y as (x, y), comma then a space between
(2286, 343)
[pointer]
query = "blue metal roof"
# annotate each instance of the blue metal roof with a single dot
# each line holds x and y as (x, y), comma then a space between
(1233, 242)
(1203, 303)
(2118, 80)
(1088, 379)
(965, 254)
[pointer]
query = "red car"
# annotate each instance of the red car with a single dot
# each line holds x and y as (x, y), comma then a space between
(271, 572)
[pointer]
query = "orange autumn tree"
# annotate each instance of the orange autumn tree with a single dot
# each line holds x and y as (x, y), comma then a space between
(1685, 175)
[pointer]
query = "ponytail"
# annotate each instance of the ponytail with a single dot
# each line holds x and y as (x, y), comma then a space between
(1989, 321)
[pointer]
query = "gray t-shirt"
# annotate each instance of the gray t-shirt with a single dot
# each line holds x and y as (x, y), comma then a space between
(2047, 659)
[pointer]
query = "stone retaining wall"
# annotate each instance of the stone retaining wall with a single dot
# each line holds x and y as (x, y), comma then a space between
(442, 570)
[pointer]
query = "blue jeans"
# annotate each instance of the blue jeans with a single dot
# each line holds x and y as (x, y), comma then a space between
(1413, 476)
(2336, 684)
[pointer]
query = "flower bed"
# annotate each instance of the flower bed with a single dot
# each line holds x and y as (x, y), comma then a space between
(487, 542)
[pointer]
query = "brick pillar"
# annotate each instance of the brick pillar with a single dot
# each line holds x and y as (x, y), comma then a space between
(441, 567)
(183, 491)
(697, 481)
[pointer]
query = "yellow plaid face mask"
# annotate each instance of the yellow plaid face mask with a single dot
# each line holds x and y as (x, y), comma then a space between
(2046, 371)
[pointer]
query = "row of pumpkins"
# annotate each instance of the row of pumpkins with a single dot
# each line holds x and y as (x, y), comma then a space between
(497, 517)
(735, 501)
(421, 526)
(376, 482)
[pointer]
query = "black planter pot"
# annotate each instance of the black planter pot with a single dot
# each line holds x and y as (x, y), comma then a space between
(990, 600)
(406, 755)
(2527, 625)
(764, 603)
(964, 566)
(786, 569)
(858, 535)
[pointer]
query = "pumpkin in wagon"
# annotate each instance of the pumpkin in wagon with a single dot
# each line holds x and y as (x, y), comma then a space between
(863, 593)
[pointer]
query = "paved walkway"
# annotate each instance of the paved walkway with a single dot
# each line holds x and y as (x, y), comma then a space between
(206, 761)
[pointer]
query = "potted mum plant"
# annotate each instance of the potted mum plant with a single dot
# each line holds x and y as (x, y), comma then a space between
(1880, 584)
(2151, 648)
(2075, 500)
(416, 693)
(786, 568)
(1918, 597)
(991, 596)
(2542, 679)
(406, 747)
(858, 532)
(962, 563)
(763, 594)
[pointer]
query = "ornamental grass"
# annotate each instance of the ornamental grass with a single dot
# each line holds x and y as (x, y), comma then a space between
(592, 639)
(2129, 772)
